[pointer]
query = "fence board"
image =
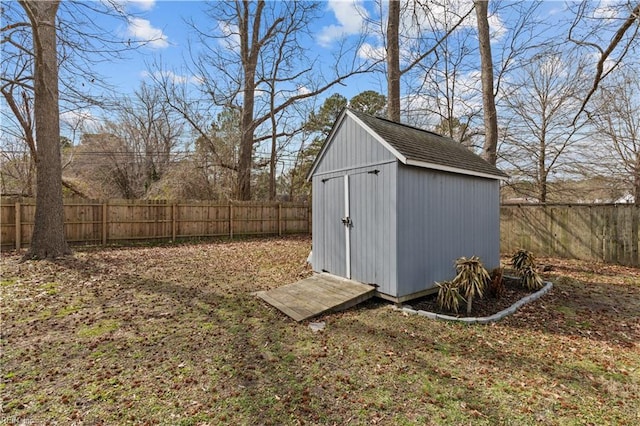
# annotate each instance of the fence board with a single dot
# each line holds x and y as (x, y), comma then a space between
(102, 222)
(607, 233)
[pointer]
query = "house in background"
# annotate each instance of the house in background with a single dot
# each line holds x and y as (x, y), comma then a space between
(394, 206)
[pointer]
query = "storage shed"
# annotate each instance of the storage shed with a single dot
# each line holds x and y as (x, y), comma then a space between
(394, 206)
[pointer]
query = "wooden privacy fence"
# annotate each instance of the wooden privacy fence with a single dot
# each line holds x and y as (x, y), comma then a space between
(97, 222)
(600, 232)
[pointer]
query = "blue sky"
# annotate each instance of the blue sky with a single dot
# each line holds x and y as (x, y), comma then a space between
(164, 23)
(160, 27)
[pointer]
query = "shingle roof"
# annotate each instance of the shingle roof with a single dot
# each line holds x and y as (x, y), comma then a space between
(426, 149)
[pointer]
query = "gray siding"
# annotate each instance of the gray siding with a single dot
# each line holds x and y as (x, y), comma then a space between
(409, 224)
(352, 147)
(441, 217)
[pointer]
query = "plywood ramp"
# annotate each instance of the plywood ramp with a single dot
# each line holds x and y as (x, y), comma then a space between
(316, 295)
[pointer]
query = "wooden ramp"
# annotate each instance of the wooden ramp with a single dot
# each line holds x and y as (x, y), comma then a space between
(317, 294)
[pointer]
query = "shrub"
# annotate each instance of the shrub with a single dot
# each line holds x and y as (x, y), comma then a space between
(531, 280)
(521, 259)
(471, 280)
(524, 262)
(448, 296)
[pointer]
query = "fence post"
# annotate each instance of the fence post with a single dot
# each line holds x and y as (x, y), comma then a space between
(105, 222)
(174, 210)
(230, 220)
(18, 227)
(279, 219)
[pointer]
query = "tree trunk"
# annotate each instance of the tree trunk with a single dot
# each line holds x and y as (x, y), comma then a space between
(246, 140)
(273, 157)
(636, 182)
(490, 148)
(48, 240)
(543, 173)
(249, 51)
(393, 61)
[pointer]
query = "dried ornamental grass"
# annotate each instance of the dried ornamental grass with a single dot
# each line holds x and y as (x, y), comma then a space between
(471, 280)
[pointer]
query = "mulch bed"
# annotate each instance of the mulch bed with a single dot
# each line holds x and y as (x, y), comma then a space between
(482, 307)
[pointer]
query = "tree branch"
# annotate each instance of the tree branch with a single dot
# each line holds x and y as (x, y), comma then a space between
(635, 14)
(435, 46)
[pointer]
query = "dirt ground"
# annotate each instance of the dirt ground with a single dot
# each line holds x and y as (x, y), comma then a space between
(173, 335)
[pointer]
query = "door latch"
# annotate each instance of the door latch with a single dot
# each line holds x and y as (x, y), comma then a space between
(346, 221)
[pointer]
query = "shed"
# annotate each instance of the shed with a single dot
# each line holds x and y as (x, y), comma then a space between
(394, 206)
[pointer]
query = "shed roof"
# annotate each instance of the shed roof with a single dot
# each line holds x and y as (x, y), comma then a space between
(417, 147)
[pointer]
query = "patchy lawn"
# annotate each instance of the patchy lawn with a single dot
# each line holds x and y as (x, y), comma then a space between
(172, 335)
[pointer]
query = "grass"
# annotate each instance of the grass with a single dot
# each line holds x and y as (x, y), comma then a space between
(172, 335)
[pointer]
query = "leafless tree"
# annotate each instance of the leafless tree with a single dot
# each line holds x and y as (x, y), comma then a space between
(37, 48)
(540, 138)
(611, 31)
(489, 150)
(17, 168)
(416, 24)
(48, 239)
(617, 124)
(445, 91)
(135, 150)
(238, 62)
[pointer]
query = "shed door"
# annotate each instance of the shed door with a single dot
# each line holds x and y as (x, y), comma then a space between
(353, 237)
(334, 236)
(366, 231)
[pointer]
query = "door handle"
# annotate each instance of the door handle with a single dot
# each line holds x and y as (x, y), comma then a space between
(346, 221)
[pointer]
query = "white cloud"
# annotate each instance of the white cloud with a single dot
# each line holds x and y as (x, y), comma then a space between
(82, 120)
(372, 53)
(142, 31)
(231, 33)
(496, 27)
(172, 77)
(142, 4)
(350, 15)
(303, 90)
(606, 10)
(123, 5)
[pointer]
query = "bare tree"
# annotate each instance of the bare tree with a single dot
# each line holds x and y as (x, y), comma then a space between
(17, 169)
(617, 123)
(445, 94)
(540, 138)
(134, 151)
(238, 61)
(489, 150)
(37, 48)
(393, 61)
(590, 24)
(417, 11)
(48, 239)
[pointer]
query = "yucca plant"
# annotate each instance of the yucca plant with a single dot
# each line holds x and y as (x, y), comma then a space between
(496, 283)
(524, 262)
(531, 280)
(471, 280)
(521, 259)
(448, 296)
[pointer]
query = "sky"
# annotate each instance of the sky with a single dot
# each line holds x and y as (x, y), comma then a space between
(160, 28)
(164, 22)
